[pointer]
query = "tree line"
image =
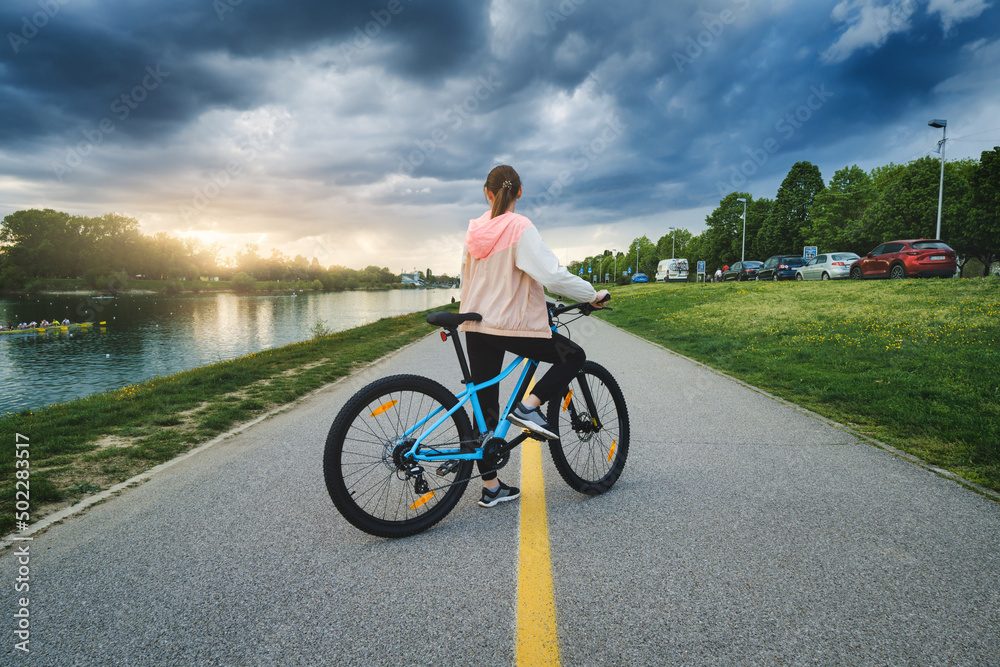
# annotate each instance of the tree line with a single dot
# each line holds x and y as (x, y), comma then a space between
(38, 245)
(854, 212)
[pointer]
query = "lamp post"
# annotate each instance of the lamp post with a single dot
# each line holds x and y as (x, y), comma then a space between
(943, 124)
(615, 253)
(743, 252)
(673, 241)
(637, 256)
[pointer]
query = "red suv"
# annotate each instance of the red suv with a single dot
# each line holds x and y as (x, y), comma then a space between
(899, 259)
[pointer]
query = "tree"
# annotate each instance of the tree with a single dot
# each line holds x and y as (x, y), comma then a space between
(43, 243)
(758, 211)
(647, 259)
(787, 225)
(837, 211)
(674, 242)
(722, 241)
(979, 236)
(249, 261)
(244, 283)
(907, 209)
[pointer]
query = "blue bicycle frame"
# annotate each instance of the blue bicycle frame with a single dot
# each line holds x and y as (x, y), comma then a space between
(470, 394)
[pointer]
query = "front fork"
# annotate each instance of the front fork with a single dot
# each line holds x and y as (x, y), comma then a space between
(588, 422)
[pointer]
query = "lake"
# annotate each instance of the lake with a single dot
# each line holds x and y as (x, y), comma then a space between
(150, 335)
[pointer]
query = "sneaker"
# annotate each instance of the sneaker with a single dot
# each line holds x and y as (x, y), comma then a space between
(501, 495)
(531, 419)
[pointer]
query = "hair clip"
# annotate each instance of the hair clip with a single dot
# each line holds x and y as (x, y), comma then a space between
(508, 185)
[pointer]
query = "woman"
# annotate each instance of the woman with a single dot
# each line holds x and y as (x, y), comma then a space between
(505, 268)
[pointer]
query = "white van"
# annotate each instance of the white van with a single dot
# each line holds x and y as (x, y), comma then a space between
(670, 270)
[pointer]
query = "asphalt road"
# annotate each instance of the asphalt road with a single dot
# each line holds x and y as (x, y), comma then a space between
(743, 531)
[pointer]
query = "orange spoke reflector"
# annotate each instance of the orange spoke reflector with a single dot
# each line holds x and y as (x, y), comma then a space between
(611, 454)
(569, 397)
(422, 500)
(382, 408)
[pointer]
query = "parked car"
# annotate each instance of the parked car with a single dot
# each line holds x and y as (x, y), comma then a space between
(921, 258)
(640, 278)
(780, 267)
(831, 266)
(742, 271)
(672, 270)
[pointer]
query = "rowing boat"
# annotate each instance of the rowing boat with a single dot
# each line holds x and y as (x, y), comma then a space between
(55, 328)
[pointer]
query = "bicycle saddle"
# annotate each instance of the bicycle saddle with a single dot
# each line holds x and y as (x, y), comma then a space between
(448, 320)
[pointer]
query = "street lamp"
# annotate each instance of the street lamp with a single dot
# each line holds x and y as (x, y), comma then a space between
(637, 256)
(673, 241)
(615, 253)
(943, 124)
(743, 252)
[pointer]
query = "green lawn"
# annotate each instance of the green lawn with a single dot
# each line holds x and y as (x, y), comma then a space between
(912, 363)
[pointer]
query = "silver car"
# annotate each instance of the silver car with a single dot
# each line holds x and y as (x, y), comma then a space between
(832, 266)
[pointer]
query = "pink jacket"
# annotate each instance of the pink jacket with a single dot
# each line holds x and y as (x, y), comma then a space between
(504, 267)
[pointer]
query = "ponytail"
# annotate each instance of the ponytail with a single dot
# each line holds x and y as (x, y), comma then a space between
(504, 183)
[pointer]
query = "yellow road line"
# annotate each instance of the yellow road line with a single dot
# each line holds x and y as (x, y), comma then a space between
(537, 640)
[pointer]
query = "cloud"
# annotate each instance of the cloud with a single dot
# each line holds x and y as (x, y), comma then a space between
(953, 12)
(870, 23)
(363, 131)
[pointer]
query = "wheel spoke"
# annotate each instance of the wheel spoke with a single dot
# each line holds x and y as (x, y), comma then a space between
(369, 481)
(591, 459)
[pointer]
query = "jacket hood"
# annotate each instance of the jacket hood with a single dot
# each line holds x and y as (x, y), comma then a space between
(485, 232)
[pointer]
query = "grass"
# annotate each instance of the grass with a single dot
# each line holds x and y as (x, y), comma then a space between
(911, 363)
(83, 446)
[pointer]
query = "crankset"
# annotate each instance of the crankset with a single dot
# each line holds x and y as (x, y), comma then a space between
(496, 453)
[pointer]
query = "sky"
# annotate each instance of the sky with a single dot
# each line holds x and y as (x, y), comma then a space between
(361, 133)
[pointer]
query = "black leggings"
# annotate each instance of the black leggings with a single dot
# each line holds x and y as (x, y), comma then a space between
(486, 353)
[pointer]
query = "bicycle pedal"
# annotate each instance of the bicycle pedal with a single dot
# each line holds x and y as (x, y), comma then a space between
(447, 468)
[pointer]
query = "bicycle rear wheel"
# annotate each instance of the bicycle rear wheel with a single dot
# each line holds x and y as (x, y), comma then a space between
(593, 439)
(367, 476)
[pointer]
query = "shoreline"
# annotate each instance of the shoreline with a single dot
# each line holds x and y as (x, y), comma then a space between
(83, 448)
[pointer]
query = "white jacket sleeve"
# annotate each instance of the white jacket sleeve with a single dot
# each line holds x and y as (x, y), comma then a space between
(538, 261)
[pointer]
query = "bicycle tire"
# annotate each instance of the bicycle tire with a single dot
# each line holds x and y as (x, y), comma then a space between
(589, 460)
(365, 481)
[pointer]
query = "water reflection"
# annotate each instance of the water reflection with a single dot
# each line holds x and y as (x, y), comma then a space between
(154, 335)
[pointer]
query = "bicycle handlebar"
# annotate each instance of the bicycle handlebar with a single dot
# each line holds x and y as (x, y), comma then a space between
(584, 308)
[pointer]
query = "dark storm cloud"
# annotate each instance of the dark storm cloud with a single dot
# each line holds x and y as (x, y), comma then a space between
(387, 110)
(84, 58)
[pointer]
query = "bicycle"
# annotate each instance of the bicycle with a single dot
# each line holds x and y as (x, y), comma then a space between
(400, 453)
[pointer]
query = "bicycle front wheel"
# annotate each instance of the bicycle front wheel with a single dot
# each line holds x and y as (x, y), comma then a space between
(367, 475)
(591, 419)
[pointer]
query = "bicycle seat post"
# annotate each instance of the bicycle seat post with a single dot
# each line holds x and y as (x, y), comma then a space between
(449, 322)
(466, 374)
